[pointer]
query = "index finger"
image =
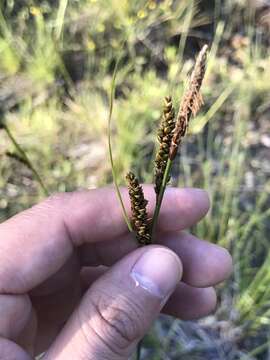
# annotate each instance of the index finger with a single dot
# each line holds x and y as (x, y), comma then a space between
(36, 243)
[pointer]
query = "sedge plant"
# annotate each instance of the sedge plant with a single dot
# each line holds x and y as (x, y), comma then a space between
(171, 132)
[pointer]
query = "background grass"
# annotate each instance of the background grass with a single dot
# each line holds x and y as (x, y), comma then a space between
(56, 66)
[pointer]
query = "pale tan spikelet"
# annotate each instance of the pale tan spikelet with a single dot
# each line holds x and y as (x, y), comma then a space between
(165, 134)
(138, 209)
(191, 103)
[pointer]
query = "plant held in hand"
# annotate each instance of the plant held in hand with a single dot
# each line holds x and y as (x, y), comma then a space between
(190, 105)
(171, 132)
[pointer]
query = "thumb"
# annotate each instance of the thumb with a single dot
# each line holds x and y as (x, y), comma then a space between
(120, 307)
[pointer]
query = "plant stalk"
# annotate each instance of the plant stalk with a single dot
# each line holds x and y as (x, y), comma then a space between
(26, 159)
(160, 196)
(139, 350)
(119, 196)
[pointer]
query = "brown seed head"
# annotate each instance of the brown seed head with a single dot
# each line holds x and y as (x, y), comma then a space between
(165, 134)
(138, 209)
(191, 103)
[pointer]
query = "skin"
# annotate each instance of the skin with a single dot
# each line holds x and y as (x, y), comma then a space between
(65, 261)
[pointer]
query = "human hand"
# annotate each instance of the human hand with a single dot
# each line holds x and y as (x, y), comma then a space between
(54, 298)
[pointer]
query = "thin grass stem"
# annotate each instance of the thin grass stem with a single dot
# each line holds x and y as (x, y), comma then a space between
(24, 156)
(119, 196)
(60, 18)
(139, 350)
(165, 180)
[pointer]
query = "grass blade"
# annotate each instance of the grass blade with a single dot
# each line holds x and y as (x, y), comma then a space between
(197, 127)
(119, 196)
(60, 18)
(24, 156)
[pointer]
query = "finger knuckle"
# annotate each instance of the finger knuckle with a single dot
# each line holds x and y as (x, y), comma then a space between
(57, 198)
(45, 209)
(118, 321)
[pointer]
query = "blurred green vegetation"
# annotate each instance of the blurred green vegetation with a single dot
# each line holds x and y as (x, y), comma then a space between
(56, 65)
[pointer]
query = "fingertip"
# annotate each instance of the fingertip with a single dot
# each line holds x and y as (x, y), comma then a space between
(195, 200)
(205, 199)
(208, 301)
(204, 264)
(227, 263)
(182, 208)
(189, 303)
(221, 264)
(216, 267)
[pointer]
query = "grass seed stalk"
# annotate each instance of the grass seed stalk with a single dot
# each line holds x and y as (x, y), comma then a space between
(190, 105)
(138, 208)
(165, 134)
(170, 135)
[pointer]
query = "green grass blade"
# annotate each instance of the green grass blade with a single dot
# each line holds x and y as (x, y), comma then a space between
(26, 159)
(186, 26)
(112, 92)
(197, 126)
(60, 18)
(139, 350)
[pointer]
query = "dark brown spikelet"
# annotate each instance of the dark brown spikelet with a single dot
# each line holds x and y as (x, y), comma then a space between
(191, 103)
(138, 209)
(165, 134)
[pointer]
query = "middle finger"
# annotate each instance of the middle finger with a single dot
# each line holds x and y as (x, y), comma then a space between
(204, 264)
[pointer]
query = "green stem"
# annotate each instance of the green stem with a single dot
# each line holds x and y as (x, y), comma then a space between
(60, 18)
(160, 196)
(139, 350)
(124, 212)
(26, 159)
